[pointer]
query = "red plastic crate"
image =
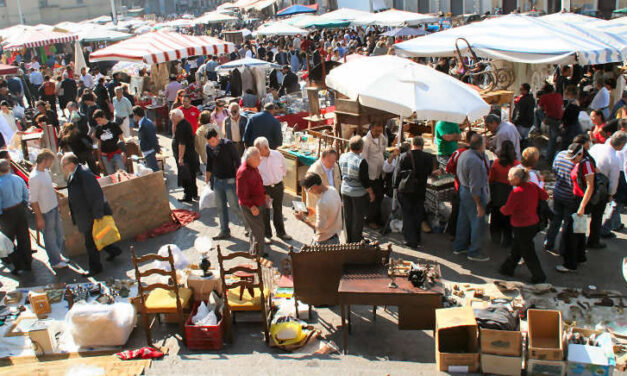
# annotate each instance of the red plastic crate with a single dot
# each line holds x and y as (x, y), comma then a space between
(203, 337)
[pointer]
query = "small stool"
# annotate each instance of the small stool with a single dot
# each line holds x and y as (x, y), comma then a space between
(248, 277)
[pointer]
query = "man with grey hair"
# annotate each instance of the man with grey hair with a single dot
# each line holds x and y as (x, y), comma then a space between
(235, 126)
(503, 131)
(77, 118)
(272, 169)
(356, 190)
(601, 100)
(252, 198)
(122, 110)
(13, 217)
(264, 124)
(609, 163)
(185, 153)
(474, 194)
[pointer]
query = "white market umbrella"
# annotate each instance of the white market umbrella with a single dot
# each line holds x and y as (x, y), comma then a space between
(247, 62)
(402, 87)
(355, 16)
(395, 17)
(280, 29)
(213, 17)
(79, 58)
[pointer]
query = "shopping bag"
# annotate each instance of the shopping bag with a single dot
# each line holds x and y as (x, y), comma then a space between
(6, 245)
(207, 198)
(580, 224)
(105, 232)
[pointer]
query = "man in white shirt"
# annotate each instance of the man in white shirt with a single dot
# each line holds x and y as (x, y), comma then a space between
(608, 164)
(375, 143)
(43, 200)
(503, 131)
(272, 169)
(601, 100)
(328, 211)
(88, 79)
(610, 160)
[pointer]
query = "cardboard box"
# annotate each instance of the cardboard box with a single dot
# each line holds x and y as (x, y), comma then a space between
(42, 337)
(39, 303)
(501, 342)
(501, 365)
(537, 367)
(545, 334)
(456, 340)
(586, 360)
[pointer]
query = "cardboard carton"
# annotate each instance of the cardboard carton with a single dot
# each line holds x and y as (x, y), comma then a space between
(456, 340)
(501, 342)
(39, 303)
(586, 360)
(537, 367)
(501, 365)
(545, 334)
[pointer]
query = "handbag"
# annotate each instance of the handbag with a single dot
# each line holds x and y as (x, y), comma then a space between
(105, 232)
(409, 182)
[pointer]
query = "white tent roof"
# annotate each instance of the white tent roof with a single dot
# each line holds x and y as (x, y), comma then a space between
(616, 26)
(523, 39)
(571, 18)
(279, 28)
(247, 62)
(356, 16)
(395, 17)
(402, 87)
(214, 17)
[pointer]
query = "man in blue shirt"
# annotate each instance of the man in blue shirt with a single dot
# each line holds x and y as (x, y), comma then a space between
(13, 219)
(148, 142)
(264, 124)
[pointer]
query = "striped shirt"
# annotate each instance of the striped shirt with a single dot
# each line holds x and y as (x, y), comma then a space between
(562, 166)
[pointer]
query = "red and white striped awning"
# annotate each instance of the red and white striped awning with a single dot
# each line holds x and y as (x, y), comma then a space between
(161, 46)
(37, 38)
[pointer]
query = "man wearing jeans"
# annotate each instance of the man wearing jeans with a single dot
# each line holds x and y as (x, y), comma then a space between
(110, 140)
(222, 164)
(148, 142)
(328, 211)
(43, 200)
(474, 193)
(552, 104)
(563, 197)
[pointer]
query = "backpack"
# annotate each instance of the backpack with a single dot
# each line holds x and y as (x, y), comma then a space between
(49, 88)
(601, 183)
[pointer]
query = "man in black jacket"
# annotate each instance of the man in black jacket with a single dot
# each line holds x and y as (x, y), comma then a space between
(87, 203)
(290, 82)
(524, 108)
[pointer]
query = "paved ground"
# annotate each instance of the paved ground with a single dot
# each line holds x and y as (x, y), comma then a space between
(376, 347)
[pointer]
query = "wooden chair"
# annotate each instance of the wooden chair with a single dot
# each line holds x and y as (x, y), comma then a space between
(242, 300)
(160, 298)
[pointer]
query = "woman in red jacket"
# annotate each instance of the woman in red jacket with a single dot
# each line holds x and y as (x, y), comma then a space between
(522, 207)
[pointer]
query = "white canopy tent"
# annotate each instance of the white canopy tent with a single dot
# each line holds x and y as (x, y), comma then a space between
(355, 16)
(402, 87)
(247, 62)
(523, 39)
(279, 28)
(214, 17)
(395, 17)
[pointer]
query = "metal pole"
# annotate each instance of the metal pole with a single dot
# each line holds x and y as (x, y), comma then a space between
(114, 13)
(19, 10)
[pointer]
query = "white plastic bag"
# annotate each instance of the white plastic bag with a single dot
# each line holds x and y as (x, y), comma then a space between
(205, 315)
(180, 261)
(207, 198)
(580, 224)
(6, 246)
(96, 325)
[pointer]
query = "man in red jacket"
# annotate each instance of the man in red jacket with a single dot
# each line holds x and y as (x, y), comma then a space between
(252, 198)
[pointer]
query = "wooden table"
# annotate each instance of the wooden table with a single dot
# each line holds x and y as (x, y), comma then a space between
(369, 285)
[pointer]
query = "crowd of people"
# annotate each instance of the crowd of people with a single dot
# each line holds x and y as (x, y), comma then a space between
(496, 177)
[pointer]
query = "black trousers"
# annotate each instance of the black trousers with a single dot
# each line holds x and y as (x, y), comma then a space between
(374, 208)
(452, 220)
(413, 214)
(14, 224)
(596, 220)
(523, 247)
(276, 193)
(573, 246)
(93, 254)
(500, 226)
(355, 209)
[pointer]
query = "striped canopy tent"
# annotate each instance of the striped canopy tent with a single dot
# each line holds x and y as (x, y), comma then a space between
(162, 46)
(37, 38)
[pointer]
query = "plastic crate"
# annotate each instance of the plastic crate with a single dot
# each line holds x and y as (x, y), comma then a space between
(203, 337)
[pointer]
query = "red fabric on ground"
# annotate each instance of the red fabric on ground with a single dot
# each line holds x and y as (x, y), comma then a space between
(180, 218)
(143, 353)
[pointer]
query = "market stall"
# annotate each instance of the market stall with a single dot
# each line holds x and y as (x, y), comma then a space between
(36, 38)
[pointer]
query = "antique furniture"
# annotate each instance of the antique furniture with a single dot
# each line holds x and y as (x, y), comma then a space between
(371, 285)
(160, 298)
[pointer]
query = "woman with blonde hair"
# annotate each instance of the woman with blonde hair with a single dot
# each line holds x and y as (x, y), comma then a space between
(529, 159)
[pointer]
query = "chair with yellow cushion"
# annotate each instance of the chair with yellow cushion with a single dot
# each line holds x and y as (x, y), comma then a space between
(244, 289)
(160, 298)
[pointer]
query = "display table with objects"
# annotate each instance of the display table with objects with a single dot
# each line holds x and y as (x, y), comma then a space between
(372, 285)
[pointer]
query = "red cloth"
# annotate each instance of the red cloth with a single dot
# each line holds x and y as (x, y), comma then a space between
(249, 186)
(180, 218)
(522, 204)
(499, 173)
(191, 114)
(553, 105)
(597, 136)
(451, 166)
(295, 120)
(143, 353)
(588, 168)
(19, 173)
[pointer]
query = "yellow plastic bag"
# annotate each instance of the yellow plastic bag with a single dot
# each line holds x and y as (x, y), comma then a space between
(105, 232)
